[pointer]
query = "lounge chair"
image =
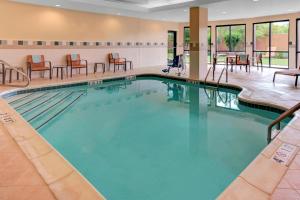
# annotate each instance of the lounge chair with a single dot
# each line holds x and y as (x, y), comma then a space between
(243, 60)
(176, 64)
(37, 63)
(114, 58)
(74, 61)
(288, 72)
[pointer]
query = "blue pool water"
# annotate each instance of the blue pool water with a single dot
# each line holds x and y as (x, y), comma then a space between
(150, 138)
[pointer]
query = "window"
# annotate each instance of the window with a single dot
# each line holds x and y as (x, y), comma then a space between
(271, 39)
(172, 35)
(230, 38)
(298, 43)
(187, 39)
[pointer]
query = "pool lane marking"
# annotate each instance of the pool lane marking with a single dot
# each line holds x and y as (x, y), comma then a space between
(62, 110)
(50, 107)
(36, 98)
(41, 103)
(20, 98)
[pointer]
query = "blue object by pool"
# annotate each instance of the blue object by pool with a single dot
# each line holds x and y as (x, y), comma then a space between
(152, 138)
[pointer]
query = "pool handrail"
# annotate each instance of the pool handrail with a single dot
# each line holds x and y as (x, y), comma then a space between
(8, 66)
(277, 121)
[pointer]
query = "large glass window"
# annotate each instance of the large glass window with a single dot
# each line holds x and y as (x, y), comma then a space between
(271, 39)
(298, 43)
(209, 44)
(230, 38)
(171, 46)
(187, 39)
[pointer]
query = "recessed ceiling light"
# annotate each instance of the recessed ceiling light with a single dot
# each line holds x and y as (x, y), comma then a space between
(291, 10)
(224, 12)
(57, 5)
(255, 0)
(185, 10)
(118, 13)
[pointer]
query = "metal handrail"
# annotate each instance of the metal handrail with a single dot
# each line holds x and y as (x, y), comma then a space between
(221, 76)
(2, 62)
(205, 80)
(277, 121)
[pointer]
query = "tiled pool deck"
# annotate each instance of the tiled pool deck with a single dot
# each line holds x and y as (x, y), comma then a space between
(31, 169)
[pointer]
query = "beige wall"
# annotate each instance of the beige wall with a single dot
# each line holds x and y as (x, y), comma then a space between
(249, 30)
(33, 23)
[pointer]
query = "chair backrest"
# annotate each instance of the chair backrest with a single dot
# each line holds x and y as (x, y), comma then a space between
(242, 59)
(36, 61)
(73, 59)
(113, 56)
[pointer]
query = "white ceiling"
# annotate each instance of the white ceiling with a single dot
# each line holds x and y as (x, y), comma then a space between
(177, 10)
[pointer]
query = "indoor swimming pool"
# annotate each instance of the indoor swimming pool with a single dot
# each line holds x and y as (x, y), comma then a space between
(149, 138)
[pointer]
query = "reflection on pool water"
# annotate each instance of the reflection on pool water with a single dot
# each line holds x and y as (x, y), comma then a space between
(152, 138)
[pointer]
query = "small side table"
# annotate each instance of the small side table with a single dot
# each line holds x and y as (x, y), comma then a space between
(96, 67)
(61, 68)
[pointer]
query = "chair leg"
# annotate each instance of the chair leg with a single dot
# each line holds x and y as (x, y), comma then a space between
(50, 74)
(274, 77)
(86, 71)
(10, 75)
(296, 81)
(71, 72)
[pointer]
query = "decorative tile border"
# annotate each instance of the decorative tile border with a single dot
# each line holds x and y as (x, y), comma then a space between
(6, 44)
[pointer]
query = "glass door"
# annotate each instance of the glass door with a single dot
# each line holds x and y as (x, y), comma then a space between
(172, 46)
(298, 43)
(271, 39)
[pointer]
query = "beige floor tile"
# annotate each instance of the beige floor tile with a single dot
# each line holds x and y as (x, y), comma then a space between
(285, 194)
(26, 193)
(239, 189)
(296, 163)
(52, 167)
(293, 178)
(264, 173)
(7, 144)
(20, 177)
(35, 147)
(271, 148)
(290, 135)
(74, 187)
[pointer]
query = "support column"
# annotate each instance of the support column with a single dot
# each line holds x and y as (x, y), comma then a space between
(198, 44)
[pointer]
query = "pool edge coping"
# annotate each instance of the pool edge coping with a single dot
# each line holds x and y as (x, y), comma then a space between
(242, 182)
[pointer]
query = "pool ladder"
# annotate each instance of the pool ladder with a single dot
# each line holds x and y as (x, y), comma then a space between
(272, 134)
(213, 68)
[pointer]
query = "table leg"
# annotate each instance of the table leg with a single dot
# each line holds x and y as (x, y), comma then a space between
(61, 73)
(57, 72)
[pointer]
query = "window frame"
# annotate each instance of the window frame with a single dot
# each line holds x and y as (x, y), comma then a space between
(254, 51)
(230, 26)
(297, 42)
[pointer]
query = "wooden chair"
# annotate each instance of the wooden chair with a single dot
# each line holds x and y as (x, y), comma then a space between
(243, 60)
(74, 61)
(37, 63)
(114, 58)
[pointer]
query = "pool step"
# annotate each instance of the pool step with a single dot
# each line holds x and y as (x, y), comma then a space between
(61, 110)
(39, 108)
